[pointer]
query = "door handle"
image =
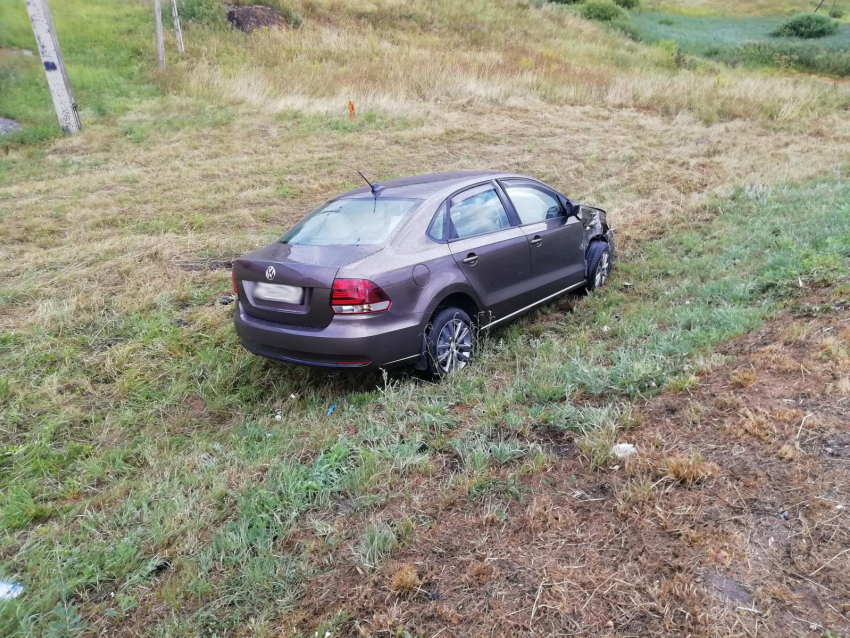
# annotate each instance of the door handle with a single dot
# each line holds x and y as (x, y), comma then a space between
(471, 259)
(536, 241)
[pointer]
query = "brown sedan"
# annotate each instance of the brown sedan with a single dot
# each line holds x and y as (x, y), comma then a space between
(409, 270)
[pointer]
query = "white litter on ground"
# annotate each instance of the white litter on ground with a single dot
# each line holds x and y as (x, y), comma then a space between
(624, 450)
(10, 590)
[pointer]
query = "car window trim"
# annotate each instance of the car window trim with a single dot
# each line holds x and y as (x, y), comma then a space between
(445, 224)
(537, 185)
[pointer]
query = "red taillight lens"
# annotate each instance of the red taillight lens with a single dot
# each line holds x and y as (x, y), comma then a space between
(357, 297)
(235, 287)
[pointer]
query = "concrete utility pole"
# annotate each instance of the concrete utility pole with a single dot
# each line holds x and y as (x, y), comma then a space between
(54, 66)
(178, 32)
(160, 43)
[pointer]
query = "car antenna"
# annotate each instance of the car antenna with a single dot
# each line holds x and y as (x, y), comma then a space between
(376, 188)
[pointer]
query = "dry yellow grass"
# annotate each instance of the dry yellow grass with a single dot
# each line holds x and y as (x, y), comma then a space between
(742, 378)
(412, 59)
(752, 424)
(136, 209)
(690, 469)
(405, 578)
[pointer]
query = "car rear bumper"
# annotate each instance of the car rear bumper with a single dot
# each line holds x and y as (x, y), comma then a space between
(379, 341)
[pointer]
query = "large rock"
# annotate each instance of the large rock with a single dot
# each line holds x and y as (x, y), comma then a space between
(8, 126)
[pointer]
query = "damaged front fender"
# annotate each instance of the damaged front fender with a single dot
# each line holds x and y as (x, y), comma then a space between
(595, 221)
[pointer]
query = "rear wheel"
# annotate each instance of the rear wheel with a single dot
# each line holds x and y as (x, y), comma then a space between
(449, 342)
(598, 264)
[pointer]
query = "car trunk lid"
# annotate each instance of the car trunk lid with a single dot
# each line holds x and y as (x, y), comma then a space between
(291, 284)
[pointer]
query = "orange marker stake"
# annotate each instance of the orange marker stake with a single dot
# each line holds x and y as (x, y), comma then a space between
(351, 110)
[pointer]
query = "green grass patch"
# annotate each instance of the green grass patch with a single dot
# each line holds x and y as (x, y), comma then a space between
(747, 42)
(109, 54)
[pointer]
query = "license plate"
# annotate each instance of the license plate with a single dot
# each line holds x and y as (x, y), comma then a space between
(278, 292)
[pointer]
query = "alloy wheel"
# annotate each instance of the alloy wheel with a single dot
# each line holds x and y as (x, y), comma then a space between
(454, 346)
(602, 270)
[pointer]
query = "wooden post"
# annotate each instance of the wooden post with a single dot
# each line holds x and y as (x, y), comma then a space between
(819, 6)
(54, 65)
(160, 43)
(178, 32)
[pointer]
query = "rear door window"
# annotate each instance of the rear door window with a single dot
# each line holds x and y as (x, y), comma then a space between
(476, 212)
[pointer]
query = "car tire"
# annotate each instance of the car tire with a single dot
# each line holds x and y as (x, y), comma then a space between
(598, 264)
(449, 342)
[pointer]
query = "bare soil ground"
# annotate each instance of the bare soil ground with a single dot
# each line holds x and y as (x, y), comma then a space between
(731, 520)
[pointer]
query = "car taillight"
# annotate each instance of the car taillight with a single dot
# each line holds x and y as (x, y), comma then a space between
(235, 287)
(357, 297)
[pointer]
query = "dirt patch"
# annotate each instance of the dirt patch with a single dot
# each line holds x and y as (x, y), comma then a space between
(732, 519)
(254, 17)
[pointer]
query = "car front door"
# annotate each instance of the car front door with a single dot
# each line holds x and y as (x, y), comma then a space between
(556, 240)
(492, 253)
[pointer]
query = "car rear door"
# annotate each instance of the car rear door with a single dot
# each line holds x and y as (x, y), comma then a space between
(492, 253)
(556, 241)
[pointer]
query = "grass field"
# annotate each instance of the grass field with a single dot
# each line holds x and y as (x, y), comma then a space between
(747, 41)
(157, 480)
(742, 8)
(699, 34)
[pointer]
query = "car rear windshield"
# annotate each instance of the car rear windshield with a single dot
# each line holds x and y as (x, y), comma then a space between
(351, 222)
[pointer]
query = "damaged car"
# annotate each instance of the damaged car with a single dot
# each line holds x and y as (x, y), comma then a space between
(410, 271)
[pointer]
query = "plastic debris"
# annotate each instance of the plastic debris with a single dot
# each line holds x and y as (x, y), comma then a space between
(605, 328)
(331, 409)
(10, 590)
(225, 301)
(624, 450)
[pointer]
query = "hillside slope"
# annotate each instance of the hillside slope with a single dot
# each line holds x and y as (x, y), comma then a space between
(157, 480)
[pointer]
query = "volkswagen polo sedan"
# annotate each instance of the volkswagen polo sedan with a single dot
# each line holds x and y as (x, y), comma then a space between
(409, 271)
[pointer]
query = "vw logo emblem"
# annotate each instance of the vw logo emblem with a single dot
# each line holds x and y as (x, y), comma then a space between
(270, 273)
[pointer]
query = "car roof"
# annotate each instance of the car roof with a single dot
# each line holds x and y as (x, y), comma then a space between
(424, 186)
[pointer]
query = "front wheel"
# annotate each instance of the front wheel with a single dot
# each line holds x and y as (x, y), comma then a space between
(598, 264)
(449, 342)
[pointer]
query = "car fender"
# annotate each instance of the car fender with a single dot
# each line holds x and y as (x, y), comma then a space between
(595, 221)
(441, 292)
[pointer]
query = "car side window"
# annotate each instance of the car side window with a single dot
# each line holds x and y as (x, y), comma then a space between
(533, 204)
(477, 212)
(437, 229)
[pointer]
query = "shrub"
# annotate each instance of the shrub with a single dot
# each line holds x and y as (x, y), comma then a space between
(604, 11)
(808, 25)
(628, 4)
(836, 12)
